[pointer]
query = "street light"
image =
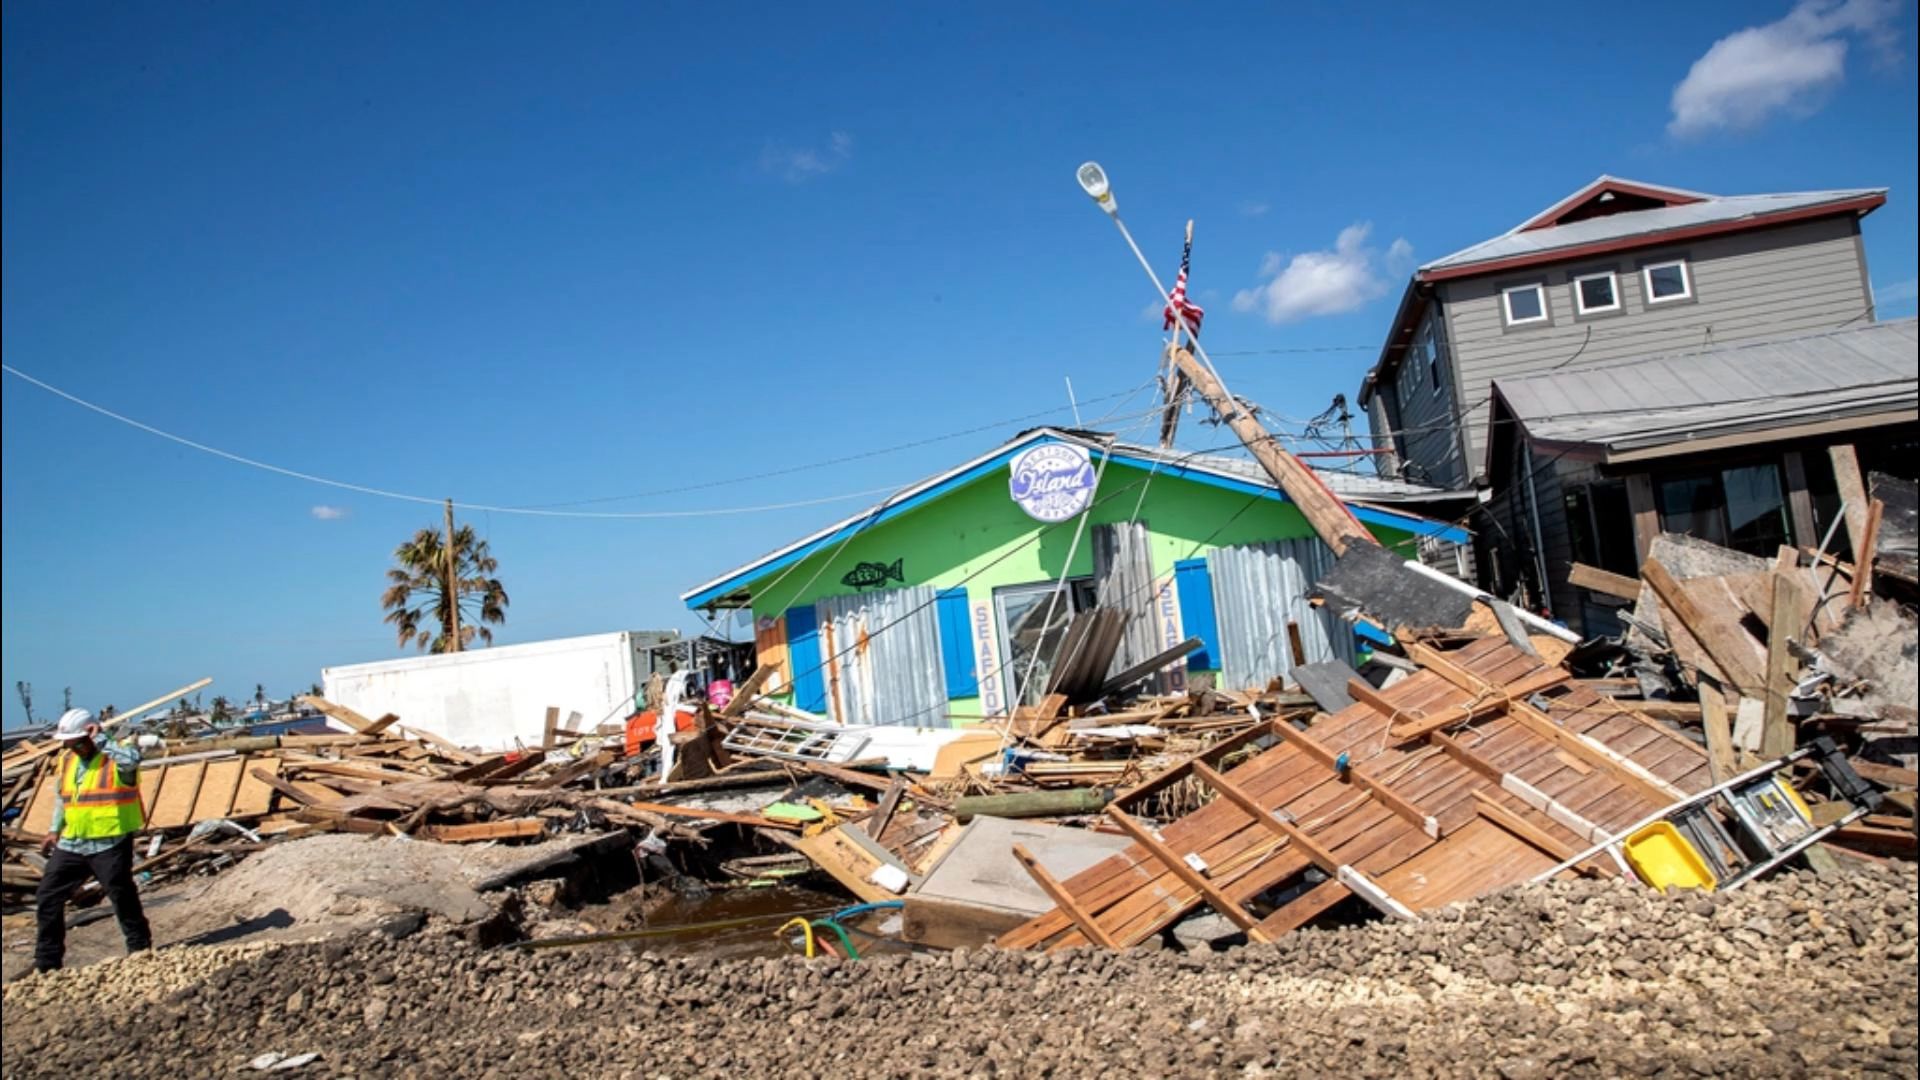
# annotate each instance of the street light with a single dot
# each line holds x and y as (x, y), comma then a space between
(1093, 180)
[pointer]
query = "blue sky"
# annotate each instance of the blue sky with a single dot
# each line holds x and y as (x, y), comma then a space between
(532, 257)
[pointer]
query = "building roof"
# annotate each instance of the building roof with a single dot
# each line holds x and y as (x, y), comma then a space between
(1607, 214)
(1654, 219)
(1375, 500)
(1760, 391)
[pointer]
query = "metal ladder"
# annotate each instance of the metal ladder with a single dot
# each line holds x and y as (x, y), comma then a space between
(1750, 824)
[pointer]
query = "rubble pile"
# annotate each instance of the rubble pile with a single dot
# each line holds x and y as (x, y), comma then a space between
(1565, 978)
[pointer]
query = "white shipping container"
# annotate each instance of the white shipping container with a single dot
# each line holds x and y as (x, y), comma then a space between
(497, 698)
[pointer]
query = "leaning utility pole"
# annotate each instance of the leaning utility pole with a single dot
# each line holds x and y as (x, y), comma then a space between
(1323, 509)
(453, 587)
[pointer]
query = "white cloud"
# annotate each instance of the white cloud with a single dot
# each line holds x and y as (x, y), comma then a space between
(798, 164)
(1254, 208)
(1325, 282)
(329, 513)
(1789, 65)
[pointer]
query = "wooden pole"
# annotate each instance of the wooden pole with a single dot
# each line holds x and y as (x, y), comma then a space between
(1323, 509)
(453, 587)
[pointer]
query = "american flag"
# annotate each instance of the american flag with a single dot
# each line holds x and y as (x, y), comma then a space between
(1177, 303)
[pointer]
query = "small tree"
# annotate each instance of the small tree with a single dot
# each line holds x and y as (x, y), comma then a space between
(416, 599)
(222, 711)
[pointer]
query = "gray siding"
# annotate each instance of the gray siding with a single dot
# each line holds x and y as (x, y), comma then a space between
(1424, 402)
(1799, 278)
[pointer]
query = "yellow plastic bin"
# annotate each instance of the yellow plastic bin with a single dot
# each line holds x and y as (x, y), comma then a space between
(1665, 859)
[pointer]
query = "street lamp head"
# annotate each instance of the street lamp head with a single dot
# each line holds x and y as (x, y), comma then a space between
(1093, 181)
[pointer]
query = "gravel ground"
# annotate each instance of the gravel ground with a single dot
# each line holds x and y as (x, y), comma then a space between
(1797, 976)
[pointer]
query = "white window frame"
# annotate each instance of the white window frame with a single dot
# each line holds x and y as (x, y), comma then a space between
(1686, 279)
(1506, 303)
(1580, 299)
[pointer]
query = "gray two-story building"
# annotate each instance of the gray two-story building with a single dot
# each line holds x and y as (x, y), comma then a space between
(1616, 274)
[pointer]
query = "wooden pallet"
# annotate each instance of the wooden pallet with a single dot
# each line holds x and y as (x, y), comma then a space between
(1492, 790)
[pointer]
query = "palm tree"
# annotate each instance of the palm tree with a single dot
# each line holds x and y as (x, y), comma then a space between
(416, 598)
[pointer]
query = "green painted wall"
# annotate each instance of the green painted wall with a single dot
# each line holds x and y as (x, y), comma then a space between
(978, 537)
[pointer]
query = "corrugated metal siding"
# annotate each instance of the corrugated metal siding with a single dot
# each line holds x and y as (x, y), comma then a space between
(1257, 590)
(1776, 282)
(1123, 580)
(884, 678)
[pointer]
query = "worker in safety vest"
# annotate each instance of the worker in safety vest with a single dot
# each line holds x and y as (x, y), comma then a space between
(95, 814)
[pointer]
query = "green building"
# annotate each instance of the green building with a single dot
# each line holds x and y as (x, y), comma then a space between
(943, 604)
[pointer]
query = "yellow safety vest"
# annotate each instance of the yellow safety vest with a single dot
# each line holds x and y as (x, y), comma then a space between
(105, 807)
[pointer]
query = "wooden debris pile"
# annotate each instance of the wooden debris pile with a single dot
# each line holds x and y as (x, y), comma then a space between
(211, 801)
(1760, 656)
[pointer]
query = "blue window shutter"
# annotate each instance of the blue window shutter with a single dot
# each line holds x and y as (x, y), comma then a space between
(956, 643)
(1194, 584)
(803, 651)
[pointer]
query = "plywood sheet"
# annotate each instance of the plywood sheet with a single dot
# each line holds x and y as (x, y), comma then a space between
(217, 786)
(39, 815)
(174, 805)
(254, 796)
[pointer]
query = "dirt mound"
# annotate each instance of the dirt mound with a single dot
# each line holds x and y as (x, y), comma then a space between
(1797, 976)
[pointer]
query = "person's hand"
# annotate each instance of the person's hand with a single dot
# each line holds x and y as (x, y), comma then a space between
(46, 844)
(93, 733)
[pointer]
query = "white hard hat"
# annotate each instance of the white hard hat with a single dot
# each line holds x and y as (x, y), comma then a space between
(73, 725)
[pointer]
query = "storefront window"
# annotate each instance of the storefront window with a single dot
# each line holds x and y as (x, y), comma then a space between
(1025, 629)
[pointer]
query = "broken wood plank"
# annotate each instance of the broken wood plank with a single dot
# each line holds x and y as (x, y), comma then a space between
(1594, 579)
(1730, 653)
(1863, 555)
(1792, 607)
(510, 829)
(299, 797)
(1178, 866)
(1624, 769)
(1361, 778)
(353, 721)
(1319, 855)
(1716, 719)
(753, 820)
(1063, 900)
(1488, 807)
(1891, 776)
(1852, 490)
(1304, 908)
(1150, 666)
(744, 694)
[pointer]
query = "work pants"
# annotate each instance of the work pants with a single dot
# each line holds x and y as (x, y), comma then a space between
(65, 872)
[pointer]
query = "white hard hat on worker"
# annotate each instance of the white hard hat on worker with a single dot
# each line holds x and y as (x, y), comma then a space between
(74, 725)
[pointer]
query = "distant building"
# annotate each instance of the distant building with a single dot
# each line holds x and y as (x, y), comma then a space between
(930, 607)
(1618, 270)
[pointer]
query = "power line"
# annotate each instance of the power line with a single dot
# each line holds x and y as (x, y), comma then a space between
(526, 511)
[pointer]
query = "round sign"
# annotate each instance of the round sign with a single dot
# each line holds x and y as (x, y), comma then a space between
(1053, 481)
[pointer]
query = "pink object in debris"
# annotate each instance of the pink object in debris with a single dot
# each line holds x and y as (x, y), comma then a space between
(719, 692)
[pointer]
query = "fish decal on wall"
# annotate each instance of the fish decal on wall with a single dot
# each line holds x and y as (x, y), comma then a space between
(872, 575)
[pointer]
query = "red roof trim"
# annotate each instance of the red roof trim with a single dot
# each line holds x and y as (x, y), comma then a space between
(1552, 214)
(1861, 205)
